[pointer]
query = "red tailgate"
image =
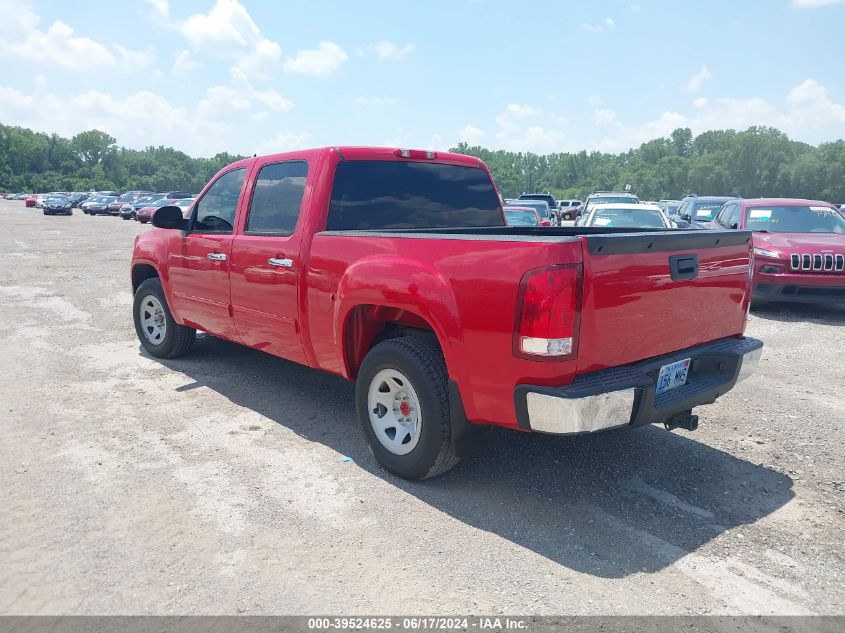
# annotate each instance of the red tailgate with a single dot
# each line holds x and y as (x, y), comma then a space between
(633, 308)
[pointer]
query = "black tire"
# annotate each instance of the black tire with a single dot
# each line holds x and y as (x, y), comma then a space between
(566, 216)
(177, 339)
(44, 211)
(421, 361)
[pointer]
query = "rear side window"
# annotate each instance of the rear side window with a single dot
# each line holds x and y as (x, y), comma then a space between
(407, 195)
(277, 198)
(215, 211)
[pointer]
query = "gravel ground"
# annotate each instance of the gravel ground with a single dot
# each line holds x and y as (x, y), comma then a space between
(215, 484)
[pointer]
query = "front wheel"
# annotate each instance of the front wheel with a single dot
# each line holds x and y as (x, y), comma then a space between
(157, 330)
(402, 402)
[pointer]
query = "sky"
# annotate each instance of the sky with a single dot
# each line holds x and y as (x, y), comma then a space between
(250, 76)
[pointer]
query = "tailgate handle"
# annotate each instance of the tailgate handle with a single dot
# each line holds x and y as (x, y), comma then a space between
(683, 267)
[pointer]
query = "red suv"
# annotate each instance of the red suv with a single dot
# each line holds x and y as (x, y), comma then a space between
(799, 247)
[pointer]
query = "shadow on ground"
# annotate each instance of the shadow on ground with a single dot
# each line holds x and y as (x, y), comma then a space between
(609, 505)
(823, 314)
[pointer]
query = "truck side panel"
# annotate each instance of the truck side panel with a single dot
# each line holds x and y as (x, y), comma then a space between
(466, 289)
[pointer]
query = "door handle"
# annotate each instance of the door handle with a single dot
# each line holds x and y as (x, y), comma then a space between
(281, 263)
(218, 257)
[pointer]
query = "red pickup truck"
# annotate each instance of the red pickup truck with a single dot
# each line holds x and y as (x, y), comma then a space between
(394, 268)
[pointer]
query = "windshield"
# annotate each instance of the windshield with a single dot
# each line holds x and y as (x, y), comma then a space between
(515, 217)
(160, 203)
(706, 211)
(610, 216)
(108, 199)
(184, 203)
(795, 219)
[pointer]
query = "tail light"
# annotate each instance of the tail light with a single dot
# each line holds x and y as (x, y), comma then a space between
(545, 223)
(548, 313)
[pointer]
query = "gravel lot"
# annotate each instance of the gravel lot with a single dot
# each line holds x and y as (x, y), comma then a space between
(215, 484)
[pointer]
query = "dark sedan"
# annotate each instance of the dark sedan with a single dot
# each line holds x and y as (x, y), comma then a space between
(54, 205)
(101, 206)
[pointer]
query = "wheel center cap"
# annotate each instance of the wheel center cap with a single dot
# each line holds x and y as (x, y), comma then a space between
(405, 408)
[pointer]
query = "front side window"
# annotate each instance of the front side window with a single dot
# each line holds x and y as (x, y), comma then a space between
(277, 198)
(215, 211)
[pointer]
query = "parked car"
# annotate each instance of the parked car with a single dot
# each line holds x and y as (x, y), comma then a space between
(566, 209)
(100, 206)
(524, 216)
(696, 212)
(176, 195)
(78, 197)
(145, 213)
(39, 199)
(54, 205)
(799, 247)
(642, 216)
(30, 200)
(603, 197)
(139, 203)
(127, 212)
(547, 197)
(185, 204)
(113, 207)
(670, 207)
(541, 206)
(397, 271)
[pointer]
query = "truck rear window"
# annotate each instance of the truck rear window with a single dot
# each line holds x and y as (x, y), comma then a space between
(406, 195)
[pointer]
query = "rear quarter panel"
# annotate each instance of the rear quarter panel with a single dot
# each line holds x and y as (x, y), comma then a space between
(465, 288)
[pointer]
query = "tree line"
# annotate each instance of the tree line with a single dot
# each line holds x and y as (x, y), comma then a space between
(760, 161)
(38, 162)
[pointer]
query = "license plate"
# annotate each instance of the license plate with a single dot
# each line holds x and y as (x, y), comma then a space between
(672, 375)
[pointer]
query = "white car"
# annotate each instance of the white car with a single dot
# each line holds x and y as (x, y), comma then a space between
(39, 200)
(641, 216)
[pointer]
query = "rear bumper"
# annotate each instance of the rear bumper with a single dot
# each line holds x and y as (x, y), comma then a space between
(626, 396)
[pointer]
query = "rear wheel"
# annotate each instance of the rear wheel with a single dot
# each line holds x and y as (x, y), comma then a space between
(402, 401)
(157, 330)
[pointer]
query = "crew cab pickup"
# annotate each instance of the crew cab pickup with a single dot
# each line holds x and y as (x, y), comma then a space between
(395, 269)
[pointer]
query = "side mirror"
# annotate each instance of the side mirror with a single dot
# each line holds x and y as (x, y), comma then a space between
(169, 217)
(735, 225)
(682, 224)
(686, 216)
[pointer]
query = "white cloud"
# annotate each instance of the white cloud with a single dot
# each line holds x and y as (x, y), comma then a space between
(373, 101)
(130, 60)
(809, 4)
(229, 32)
(388, 50)
(695, 82)
(184, 63)
(322, 61)
(227, 118)
(160, 8)
(471, 135)
(807, 114)
(525, 128)
(284, 142)
(607, 24)
(22, 37)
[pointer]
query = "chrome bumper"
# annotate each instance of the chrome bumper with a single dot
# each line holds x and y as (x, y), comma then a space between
(627, 396)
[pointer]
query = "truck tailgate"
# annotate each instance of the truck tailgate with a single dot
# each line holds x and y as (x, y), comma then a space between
(648, 294)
